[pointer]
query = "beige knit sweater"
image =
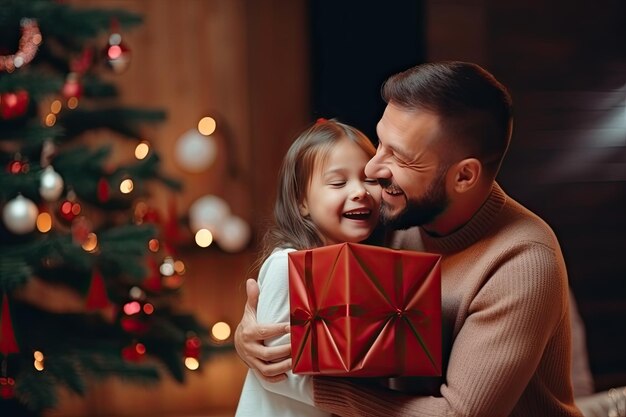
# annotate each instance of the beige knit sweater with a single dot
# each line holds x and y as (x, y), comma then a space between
(506, 325)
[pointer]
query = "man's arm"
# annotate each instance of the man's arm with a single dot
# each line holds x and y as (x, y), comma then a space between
(269, 362)
(494, 355)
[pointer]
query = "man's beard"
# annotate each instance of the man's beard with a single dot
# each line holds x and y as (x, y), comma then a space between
(420, 211)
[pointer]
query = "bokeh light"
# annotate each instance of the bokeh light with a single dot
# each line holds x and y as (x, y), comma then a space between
(142, 150)
(192, 363)
(206, 126)
(126, 186)
(220, 331)
(44, 222)
(56, 106)
(204, 238)
(91, 243)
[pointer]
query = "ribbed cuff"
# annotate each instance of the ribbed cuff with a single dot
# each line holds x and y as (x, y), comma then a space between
(344, 398)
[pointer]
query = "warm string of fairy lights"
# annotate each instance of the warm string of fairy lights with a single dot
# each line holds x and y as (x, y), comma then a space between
(27, 49)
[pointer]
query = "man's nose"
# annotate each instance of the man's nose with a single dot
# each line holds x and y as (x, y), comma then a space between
(376, 169)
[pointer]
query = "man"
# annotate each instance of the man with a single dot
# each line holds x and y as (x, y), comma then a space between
(442, 138)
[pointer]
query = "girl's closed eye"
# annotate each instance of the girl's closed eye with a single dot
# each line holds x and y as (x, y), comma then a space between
(371, 180)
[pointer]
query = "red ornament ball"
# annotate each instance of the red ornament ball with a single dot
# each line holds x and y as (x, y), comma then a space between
(134, 352)
(7, 387)
(13, 105)
(72, 87)
(117, 54)
(192, 347)
(68, 210)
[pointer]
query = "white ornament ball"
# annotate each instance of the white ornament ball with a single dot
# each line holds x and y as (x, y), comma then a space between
(20, 215)
(51, 184)
(208, 212)
(195, 152)
(234, 234)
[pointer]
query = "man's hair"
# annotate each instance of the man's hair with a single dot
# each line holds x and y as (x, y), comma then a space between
(475, 110)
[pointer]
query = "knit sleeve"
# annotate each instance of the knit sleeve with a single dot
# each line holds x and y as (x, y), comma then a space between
(495, 353)
(273, 307)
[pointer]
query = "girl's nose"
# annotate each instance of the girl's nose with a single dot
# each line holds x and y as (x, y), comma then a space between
(358, 192)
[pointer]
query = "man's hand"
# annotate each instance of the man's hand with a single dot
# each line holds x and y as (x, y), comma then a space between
(269, 362)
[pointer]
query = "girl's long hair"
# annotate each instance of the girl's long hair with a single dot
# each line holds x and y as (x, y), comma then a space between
(289, 228)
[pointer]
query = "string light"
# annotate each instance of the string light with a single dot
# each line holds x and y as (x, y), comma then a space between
(72, 103)
(55, 107)
(44, 222)
(132, 307)
(51, 119)
(136, 293)
(148, 308)
(179, 267)
(167, 267)
(39, 361)
(28, 45)
(142, 150)
(206, 126)
(91, 243)
(204, 238)
(220, 331)
(153, 245)
(126, 186)
(192, 364)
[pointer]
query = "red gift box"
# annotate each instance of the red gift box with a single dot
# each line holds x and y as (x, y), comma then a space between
(359, 310)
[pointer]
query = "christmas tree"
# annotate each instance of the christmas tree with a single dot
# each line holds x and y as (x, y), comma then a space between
(88, 269)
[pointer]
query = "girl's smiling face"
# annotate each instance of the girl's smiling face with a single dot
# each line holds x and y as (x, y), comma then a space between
(340, 199)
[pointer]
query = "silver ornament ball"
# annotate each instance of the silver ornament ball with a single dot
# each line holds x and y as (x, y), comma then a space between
(51, 184)
(20, 215)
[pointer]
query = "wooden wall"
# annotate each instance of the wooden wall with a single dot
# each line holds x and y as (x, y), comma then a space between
(565, 64)
(245, 64)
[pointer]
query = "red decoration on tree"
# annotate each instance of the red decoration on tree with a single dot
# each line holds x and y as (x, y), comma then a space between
(104, 191)
(7, 387)
(13, 105)
(153, 281)
(72, 87)
(152, 216)
(192, 347)
(135, 318)
(134, 352)
(116, 53)
(18, 166)
(8, 344)
(97, 297)
(81, 64)
(68, 210)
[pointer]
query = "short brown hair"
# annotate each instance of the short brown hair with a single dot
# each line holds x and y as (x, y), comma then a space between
(475, 110)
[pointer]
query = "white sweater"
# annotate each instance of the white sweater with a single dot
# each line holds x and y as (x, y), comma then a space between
(292, 397)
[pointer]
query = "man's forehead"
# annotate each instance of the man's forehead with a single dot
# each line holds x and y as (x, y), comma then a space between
(407, 127)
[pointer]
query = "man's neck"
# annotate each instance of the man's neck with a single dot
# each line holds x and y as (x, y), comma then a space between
(458, 214)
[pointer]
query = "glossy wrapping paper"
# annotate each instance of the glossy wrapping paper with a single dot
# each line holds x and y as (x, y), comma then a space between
(360, 310)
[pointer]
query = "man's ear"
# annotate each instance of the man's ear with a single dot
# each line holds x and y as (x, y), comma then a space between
(303, 208)
(466, 174)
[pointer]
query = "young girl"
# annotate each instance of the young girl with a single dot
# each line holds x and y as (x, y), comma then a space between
(323, 198)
